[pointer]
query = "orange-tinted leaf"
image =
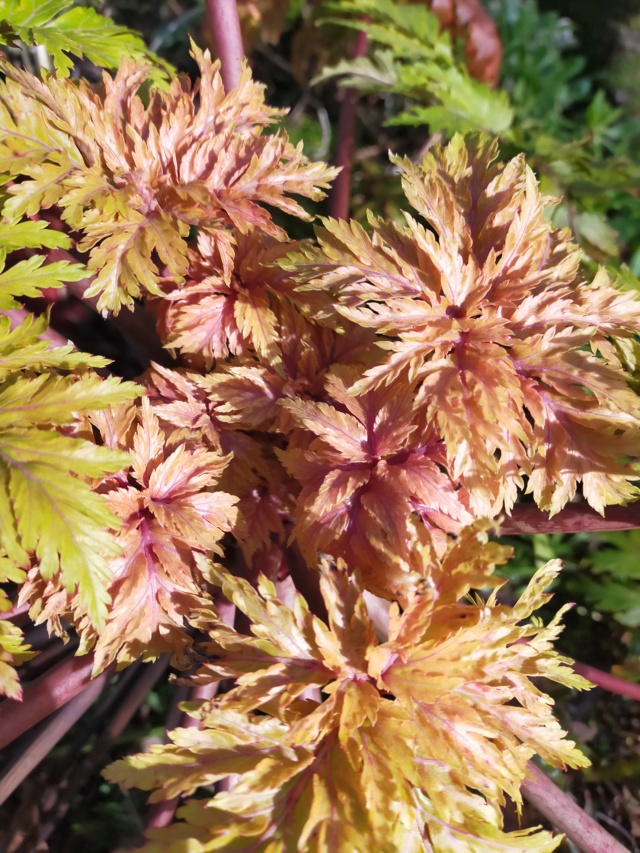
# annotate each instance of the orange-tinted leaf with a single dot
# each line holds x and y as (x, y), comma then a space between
(486, 315)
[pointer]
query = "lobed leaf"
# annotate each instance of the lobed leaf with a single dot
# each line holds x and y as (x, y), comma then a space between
(414, 745)
(81, 32)
(133, 178)
(485, 313)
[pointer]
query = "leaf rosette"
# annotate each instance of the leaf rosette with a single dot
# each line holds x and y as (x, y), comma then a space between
(342, 742)
(479, 301)
(133, 178)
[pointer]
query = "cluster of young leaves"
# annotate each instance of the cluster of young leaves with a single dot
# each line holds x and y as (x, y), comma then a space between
(49, 514)
(341, 741)
(168, 513)
(67, 31)
(219, 173)
(484, 311)
(483, 315)
(134, 179)
(288, 427)
(412, 56)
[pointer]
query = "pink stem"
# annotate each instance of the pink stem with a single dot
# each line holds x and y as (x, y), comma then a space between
(18, 613)
(59, 725)
(52, 653)
(340, 198)
(608, 681)
(162, 813)
(43, 696)
(566, 815)
(225, 28)
(575, 518)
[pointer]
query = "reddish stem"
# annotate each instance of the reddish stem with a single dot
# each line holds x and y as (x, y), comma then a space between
(566, 815)
(19, 614)
(225, 28)
(526, 519)
(51, 654)
(340, 197)
(43, 696)
(59, 725)
(162, 813)
(608, 681)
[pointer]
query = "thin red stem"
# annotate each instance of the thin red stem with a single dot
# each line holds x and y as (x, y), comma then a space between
(566, 815)
(162, 813)
(526, 519)
(340, 196)
(225, 28)
(19, 614)
(608, 681)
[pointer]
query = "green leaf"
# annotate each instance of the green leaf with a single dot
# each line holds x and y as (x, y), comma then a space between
(375, 73)
(83, 32)
(459, 115)
(47, 506)
(418, 62)
(48, 511)
(31, 13)
(623, 600)
(80, 32)
(31, 235)
(29, 277)
(466, 105)
(620, 560)
(49, 400)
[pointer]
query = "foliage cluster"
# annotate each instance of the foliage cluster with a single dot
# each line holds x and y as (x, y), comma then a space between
(329, 418)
